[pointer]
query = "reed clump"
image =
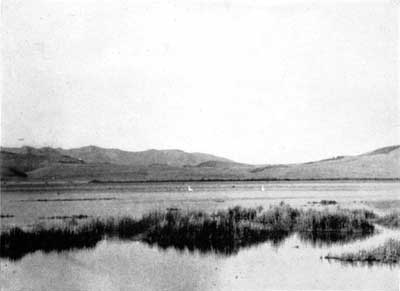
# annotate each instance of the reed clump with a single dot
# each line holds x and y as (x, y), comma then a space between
(390, 220)
(16, 242)
(339, 220)
(388, 253)
(328, 202)
(224, 231)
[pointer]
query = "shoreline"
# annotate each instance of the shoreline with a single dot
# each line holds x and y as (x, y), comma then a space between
(154, 181)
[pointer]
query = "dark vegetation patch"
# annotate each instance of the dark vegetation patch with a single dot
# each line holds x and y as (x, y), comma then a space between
(79, 216)
(95, 181)
(11, 171)
(388, 253)
(6, 215)
(324, 202)
(260, 169)
(67, 199)
(224, 232)
(328, 202)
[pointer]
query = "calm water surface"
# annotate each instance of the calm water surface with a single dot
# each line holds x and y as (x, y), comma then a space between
(294, 264)
(115, 265)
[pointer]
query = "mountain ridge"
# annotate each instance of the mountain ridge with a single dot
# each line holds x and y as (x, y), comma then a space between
(94, 162)
(95, 154)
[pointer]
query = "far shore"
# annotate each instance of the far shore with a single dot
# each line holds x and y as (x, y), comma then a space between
(51, 182)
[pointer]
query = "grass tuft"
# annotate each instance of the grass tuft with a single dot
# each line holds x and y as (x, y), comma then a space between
(388, 253)
(328, 202)
(390, 220)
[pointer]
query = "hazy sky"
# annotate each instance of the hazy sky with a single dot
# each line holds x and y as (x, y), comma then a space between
(254, 81)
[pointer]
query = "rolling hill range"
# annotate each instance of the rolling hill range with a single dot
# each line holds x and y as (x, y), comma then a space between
(18, 163)
(89, 163)
(383, 163)
(94, 154)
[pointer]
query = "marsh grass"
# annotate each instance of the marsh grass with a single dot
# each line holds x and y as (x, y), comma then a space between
(388, 253)
(224, 231)
(77, 216)
(328, 202)
(391, 220)
(15, 242)
(338, 220)
(6, 215)
(68, 199)
(323, 202)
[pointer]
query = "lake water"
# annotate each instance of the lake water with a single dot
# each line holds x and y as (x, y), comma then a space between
(28, 205)
(293, 264)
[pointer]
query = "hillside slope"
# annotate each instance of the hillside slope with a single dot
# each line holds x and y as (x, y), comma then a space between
(93, 154)
(88, 162)
(26, 159)
(96, 163)
(382, 163)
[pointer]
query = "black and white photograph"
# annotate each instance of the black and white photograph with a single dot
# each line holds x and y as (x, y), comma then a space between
(205, 145)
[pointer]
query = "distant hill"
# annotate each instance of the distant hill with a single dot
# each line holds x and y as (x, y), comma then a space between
(383, 163)
(385, 150)
(48, 161)
(20, 161)
(89, 163)
(93, 154)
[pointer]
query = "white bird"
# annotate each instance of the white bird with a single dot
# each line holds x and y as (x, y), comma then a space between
(190, 189)
(262, 188)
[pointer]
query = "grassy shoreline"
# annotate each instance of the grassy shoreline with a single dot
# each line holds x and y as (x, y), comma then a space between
(224, 231)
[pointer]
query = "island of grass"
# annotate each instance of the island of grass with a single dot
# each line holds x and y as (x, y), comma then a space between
(223, 232)
(388, 253)
(391, 220)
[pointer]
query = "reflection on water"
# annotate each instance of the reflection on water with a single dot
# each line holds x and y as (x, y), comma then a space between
(24, 247)
(357, 264)
(127, 265)
(329, 238)
(225, 248)
(23, 243)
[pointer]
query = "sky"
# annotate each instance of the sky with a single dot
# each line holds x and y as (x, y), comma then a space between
(254, 81)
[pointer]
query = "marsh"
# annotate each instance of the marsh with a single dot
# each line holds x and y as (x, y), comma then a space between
(165, 259)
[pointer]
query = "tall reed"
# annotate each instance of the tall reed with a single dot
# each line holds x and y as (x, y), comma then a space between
(389, 253)
(224, 231)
